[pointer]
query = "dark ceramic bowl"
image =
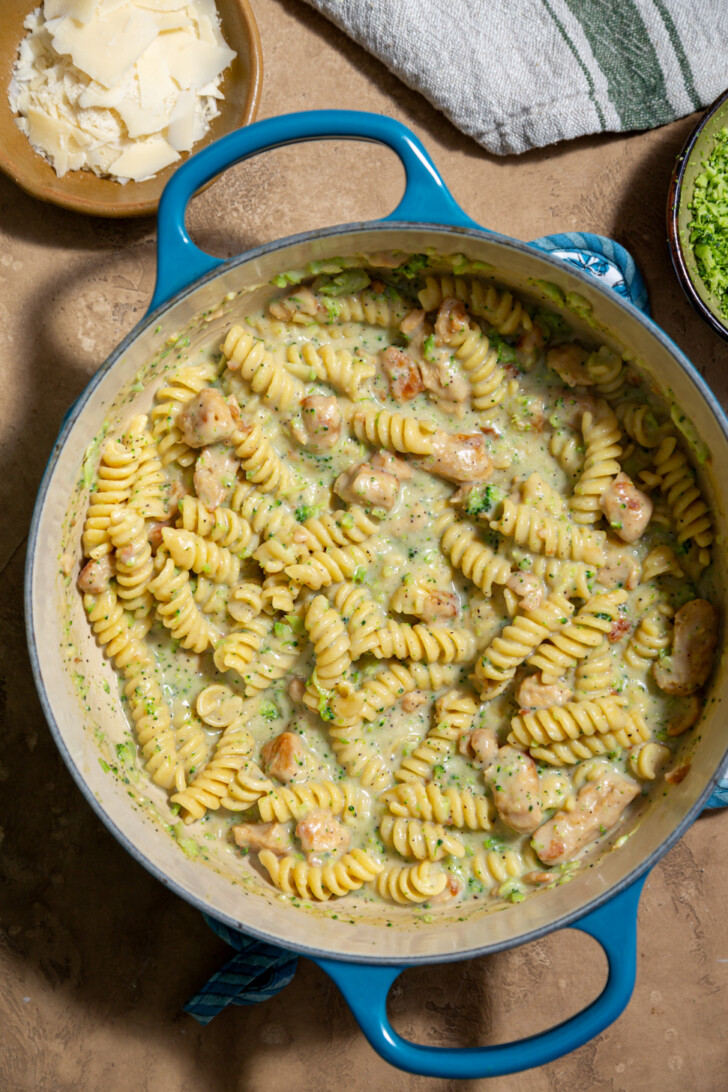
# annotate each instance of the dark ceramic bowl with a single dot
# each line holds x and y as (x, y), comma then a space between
(689, 165)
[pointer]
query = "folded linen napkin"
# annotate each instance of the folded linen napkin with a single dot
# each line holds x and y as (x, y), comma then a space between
(520, 74)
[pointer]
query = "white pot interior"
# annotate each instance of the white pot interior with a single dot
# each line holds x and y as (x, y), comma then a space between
(79, 688)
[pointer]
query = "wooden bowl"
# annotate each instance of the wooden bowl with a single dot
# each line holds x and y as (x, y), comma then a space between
(83, 191)
(689, 165)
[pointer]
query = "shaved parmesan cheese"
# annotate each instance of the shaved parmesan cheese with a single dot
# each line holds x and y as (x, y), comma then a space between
(144, 160)
(118, 87)
(81, 10)
(108, 45)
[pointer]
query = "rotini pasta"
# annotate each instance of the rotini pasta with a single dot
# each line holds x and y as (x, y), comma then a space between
(247, 355)
(586, 632)
(499, 309)
(601, 452)
(454, 713)
(569, 721)
(689, 510)
(310, 882)
(460, 542)
(413, 838)
(341, 369)
(450, 807)
(381, 428)
(414, 883)
(545, 535)
(372, 653)
(515, 644)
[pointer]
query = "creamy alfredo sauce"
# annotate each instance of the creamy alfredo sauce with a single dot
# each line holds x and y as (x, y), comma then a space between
(514, 434)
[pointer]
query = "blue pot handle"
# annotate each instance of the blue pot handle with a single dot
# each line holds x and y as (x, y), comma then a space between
(426, 197)
(604, 258)
(365, 987)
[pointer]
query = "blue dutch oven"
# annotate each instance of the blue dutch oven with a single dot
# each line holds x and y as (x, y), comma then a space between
(363, 957)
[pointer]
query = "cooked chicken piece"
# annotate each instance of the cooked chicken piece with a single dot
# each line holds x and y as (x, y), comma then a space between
(391, 464)
(620, 626)
(321, 421)
(568, 363)
(403, 374)
(215, 475)
(532, 694)
(451, 890)
(296, 689)
(569, 406)
(414, 700)
(451, 319)
(538, 878)
(445, 381)
(413, 325)
(686, 717)
(301, 301)
(385, 259)
(528, 588)
(154, 529)
(458, 457)
(95, 576)
(480, 744)
(694, 637)
(513, 780)
(363, 484)
(620, 571)
(285, 757)
(530, 345)
(321, 832)
(256, 836)
(207, 419)
(422, 599)
(599, 805)
(627, 508)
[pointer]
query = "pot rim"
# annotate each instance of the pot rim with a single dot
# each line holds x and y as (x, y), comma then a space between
(69, 421)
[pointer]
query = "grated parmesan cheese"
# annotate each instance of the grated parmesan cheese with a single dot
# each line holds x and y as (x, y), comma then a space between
(118, 87)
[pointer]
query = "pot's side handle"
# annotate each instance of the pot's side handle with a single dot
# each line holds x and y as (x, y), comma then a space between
(426, 197)
(603, 258)
(365, 987)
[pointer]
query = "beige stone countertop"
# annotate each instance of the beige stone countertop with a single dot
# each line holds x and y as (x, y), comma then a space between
(96, 957)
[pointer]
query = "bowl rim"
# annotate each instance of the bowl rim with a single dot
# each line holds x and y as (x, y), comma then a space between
(673, 231)
(53, 192)
(253, 929)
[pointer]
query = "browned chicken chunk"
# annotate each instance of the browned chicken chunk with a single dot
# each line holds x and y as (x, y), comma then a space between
(534, 694)
(321, 832)
(363, 484)
(391, 464)
(599, 805)
(451, 319)
(568, 363)
(513, 780)
(481, 745)
(215, 475)
(256, 836)
(528, 588)
(627, 508)
(95, 575)
(285, 757)
(459, 457)
(207, 419)
(403, 374)
(321, 417)
(695, 636)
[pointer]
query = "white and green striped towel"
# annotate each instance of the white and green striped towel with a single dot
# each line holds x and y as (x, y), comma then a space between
(519, 74)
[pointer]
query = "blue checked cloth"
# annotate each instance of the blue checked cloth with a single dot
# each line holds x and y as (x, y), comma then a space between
(259, 971)
(256, 973)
